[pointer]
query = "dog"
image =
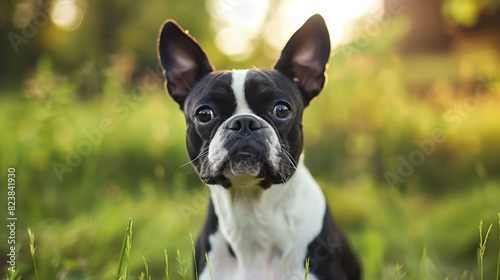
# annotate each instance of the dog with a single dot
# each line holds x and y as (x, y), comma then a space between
(267, 217)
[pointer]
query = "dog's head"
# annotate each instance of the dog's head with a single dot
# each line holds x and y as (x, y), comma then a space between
(245, 123)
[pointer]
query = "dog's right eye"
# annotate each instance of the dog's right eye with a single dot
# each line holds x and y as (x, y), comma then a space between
(281, 111)
(204, 115)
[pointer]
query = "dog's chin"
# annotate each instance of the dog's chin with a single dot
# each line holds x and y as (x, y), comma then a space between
(243, 164)
(241, 170)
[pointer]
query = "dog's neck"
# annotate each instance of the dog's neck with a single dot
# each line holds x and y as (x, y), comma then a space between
(265, 228)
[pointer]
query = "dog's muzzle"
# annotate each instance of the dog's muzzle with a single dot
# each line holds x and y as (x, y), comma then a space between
(244, 144)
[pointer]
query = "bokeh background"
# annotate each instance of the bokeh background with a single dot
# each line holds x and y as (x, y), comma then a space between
(404, 139)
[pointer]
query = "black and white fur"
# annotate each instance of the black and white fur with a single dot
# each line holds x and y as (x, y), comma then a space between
(244, 137)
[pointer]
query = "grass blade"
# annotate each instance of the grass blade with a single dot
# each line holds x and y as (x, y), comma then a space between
(166, 264)
(498, 264)
(32, 250)
(148, 277)
(425, 265)
(182, 271)
(125, 247)
(13, 275)
(396, 271)
(284, 268)
(307, 269)
(194, 256)
(128, 249)
(482, 247)
(209, 266)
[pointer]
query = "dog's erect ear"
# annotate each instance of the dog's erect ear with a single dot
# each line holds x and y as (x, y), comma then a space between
(305, 56)
(183, 61)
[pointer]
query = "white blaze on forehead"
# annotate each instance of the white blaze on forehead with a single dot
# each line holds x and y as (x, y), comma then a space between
(238, 86)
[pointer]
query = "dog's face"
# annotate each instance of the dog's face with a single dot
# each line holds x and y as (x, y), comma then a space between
(249, 124)
(245, 123)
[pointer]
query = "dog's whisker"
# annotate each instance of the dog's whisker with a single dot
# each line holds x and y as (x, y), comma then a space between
(202, 153)
(289, 157)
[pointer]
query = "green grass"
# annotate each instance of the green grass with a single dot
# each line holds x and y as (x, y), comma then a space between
(384, 228)
(194, 254)
(284, 268)
(182, 265)
(482, 247)
(209, 266)
(166, 266)
(125, 253)
(498, 259)
(398, 273)
(32, 251)
(307, 268)
(424, 265)
(145, 275)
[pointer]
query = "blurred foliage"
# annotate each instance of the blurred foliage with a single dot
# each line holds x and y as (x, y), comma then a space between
(95, 140)
(467, 12)
(109, 27)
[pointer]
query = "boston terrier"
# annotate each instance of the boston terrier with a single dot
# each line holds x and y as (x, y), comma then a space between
(267, 217)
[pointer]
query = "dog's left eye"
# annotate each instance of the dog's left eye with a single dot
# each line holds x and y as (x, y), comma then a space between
(205, 115)
(281, 111)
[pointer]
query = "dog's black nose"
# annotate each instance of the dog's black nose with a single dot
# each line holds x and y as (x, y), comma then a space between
(245, 125)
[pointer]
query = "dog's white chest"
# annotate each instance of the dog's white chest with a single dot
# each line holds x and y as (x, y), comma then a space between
(268, 230)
